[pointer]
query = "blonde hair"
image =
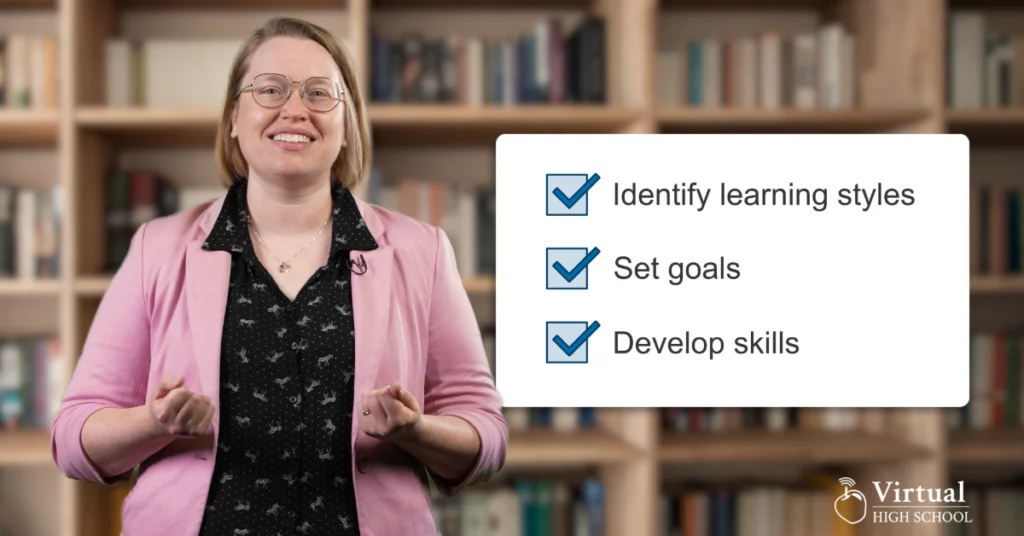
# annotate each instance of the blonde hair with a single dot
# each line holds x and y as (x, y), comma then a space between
(353, 163)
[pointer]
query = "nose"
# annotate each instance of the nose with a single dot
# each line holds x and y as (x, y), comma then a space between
(294, 105)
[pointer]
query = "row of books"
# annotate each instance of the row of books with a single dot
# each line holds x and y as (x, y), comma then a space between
(466, 214)
(30, 222)
(695, 420)
(997, 229)
(525, 507)
(167, 73)
(550, 418)
(28, 71)
(763, 510)
(133, 197)
(986, 66)
(31, 381)
(994, 511)
(551, 63)
(806, 70)
(997, 382)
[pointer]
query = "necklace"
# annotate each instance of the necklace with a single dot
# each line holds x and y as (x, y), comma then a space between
(284, 266)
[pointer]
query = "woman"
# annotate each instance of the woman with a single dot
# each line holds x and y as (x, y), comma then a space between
(286, 359)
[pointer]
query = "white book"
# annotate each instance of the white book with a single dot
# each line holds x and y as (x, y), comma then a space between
(967, 53)
(712, 65)
(26, 233)
(187, 73)
(805, 71)
(119, 73)
(542, 57)
(475, 71)
(508, 63)
(670, 79)
(848, 72)
(748, 68)
(830, 46)
(467, 225)
(770, 71)
(18, 77)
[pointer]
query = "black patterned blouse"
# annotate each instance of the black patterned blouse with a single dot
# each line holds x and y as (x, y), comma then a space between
(284, 461)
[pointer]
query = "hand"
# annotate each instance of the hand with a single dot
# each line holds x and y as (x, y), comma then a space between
(176, 410)
(393, 412)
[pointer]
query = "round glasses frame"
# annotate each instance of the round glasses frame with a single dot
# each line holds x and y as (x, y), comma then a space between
(302, 91)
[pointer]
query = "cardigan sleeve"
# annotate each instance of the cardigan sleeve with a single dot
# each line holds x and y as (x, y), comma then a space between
(458, 377)
(112, 369)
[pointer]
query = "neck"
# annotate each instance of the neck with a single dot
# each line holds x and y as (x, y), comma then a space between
(278, 210)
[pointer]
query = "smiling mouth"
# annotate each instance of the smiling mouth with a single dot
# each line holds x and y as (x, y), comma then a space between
(291, 138)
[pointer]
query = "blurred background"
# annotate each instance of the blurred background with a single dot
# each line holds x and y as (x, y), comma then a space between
(108, 110)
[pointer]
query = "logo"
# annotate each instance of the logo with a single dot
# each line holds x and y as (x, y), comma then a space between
(896, 503)
(851, 506)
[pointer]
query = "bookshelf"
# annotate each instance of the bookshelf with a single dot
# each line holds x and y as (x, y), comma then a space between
(900, 72)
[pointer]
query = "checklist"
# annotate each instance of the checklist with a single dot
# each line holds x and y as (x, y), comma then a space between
(672, 270)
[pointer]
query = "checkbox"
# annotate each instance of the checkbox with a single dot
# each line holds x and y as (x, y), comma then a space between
(567, 268)
(568, 193)
(567, 341)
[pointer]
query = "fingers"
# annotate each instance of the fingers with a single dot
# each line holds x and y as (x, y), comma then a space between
(168, 384)
(405, 397)
(199, 413)
(392, 406)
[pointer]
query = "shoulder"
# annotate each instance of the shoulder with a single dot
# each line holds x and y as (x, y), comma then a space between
(403, 233)
(165, 239)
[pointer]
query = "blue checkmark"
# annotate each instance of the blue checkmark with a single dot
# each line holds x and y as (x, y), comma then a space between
(567, 193)
(573, 278)
(575, 351)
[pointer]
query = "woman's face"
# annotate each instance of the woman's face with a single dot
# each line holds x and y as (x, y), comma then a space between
(260, 130)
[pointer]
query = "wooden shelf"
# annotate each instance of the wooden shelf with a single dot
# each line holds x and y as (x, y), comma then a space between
(571, 448)
(229, 4)
(92, 286)
(156, 127)
(774, 5)
(398, 124)
(29, 287)
(25, 447)
(479, 285)
(796, 446)
(443, 124)
(95, 286)
(28, 4)
(988, 125)
(985, 4)
(753, 121)
(28, 128)
(480, 4)
(1010, 284)
(986, 446)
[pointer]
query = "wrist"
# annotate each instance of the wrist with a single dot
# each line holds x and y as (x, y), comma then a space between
(149, 426)
(413, 433)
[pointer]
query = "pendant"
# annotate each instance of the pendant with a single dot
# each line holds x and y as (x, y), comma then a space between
(284, 267)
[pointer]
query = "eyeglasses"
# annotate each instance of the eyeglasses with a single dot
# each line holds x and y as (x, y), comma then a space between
(272, 90)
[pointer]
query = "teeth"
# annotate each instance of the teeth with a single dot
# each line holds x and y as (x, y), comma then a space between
(292, 138)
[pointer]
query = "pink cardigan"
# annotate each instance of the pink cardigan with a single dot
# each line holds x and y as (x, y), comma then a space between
(164, 312)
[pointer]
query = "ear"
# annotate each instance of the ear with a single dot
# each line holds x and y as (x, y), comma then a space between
(234, 121)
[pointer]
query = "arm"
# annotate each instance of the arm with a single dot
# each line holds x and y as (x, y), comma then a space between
(446, 444)
(99, 435)
(463, 435)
